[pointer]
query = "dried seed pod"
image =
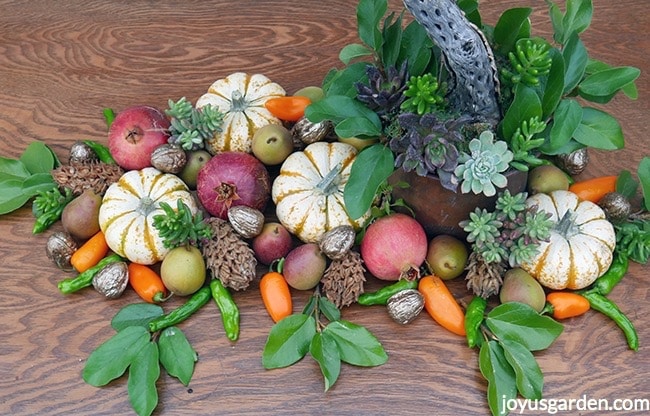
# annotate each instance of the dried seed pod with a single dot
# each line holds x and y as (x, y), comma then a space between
(575, 162)
(80, 152)
(59, 249)
(336, 242)
(305, 132)
(404, 306)
(168, 158)
(112, 279)
(247, 221)
(617, 207)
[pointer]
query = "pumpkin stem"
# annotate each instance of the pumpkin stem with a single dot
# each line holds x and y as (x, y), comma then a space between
(566, 226)
(238, 101)
(146, 206)
(330, 183)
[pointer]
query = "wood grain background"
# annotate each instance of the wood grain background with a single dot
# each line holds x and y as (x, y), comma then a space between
(61, 63)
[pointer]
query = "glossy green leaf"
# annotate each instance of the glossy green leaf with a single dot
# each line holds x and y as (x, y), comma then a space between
(11, 195)
(521, 323)
(136, 314)
(176, 354)
(643, 172)
(567, 118)
(143, 374)
(339, 108)
(38, 158)
(499, 375)
(12, 169)
(577, 17)
(329, 309)
(553, 85)
(392, 41)
(357, 345)
(358, 127)
(354, 51)
(556, 16)
(324, 350)
(525, 106)
(626, 185)
(369, 170)
(111, 359)
(342, 82)
(38, 182)
(600, 130)
(608, 82)
(529, 377)
(369, 14)
(576, 58)
(416, 49)
(288, 341)
(513, 24)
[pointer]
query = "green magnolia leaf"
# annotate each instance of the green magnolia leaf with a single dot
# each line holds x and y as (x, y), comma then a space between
(631, 91)
(577, 17)
(513, 24)
(358, 127)
(608, 82)
(369, 170)
(553, 85)
(416, 49)
(644, 176)
(288, 341)
(529, 377)
(575, 62)
(354, 51)
(110, 360)
(369, 14)
(343, 82)
(567, 118)
(176, 354)
(519, 322)
(328, 309)
(11, 195)
(626, 185)
(38, 158)
(338, 108)
(325, 351)
(38, 182)
(143, 374)
(600, 130)
(357, 346)
(392, 41)
(13, 169)
(470, 8)
(556, 16)
(499, 375)
(525, 106)
(136, 314)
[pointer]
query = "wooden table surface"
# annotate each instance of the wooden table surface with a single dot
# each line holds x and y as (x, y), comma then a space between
(61, 63)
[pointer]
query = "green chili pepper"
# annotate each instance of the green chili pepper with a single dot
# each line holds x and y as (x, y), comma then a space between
(380, 297)
(102, 152)
(610, 309)
(48, 207)
(178, 315)
(605, 283)
(85, 279)
(474, 315)
(227, 307)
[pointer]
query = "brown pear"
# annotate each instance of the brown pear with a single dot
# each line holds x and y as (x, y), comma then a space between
(80, 217)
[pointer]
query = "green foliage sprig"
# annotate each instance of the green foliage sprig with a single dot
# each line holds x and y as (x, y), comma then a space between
(179, 227)
(524, 143)
(190, 126)
(132, 347)
(48, 207)
(329, 340)
(528, 63)
(510, 333)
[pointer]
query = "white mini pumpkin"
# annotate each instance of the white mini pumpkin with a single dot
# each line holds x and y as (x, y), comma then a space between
(129, 206)
(241, 97)
(581, 245)
(308, 192)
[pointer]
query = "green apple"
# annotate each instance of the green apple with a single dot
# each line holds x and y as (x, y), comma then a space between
(195, 161)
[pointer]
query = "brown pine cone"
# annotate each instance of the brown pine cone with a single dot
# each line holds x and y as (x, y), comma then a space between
(79, 176)
(343, 280)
